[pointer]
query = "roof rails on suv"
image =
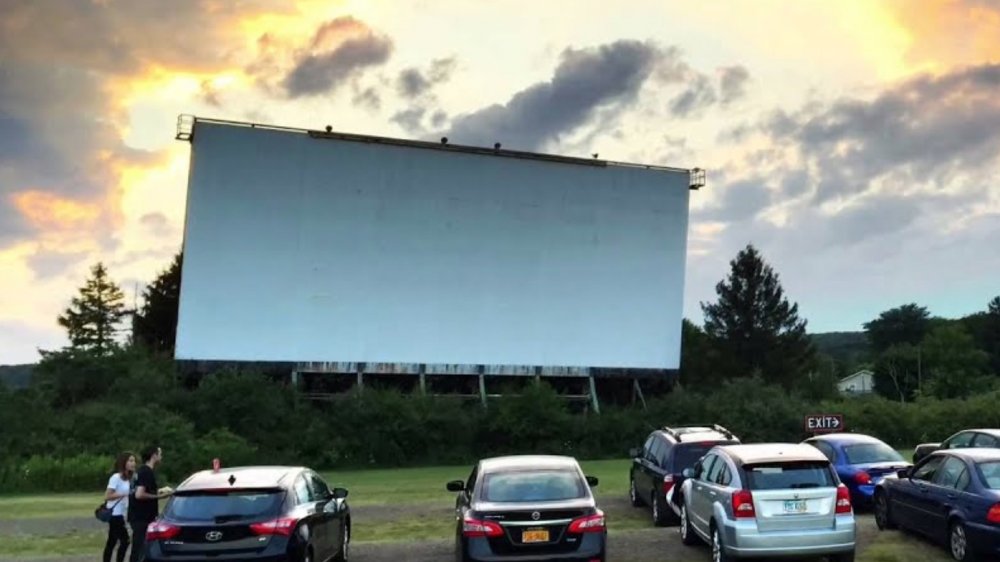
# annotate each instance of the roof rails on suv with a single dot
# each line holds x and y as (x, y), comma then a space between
(678, 432)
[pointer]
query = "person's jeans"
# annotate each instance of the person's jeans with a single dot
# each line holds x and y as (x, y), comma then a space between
(138, 540)
(117, 535)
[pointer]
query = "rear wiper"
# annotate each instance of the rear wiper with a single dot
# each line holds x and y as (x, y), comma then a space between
(804, 485)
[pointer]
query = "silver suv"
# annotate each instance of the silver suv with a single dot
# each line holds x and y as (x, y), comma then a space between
(767, 500)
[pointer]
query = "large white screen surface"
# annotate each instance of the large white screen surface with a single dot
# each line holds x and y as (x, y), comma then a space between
(316, 249)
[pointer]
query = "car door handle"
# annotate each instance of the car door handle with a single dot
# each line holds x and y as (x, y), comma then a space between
(711, 493)
(952, 496)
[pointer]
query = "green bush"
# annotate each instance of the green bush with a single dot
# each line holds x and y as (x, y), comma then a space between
(46, 474)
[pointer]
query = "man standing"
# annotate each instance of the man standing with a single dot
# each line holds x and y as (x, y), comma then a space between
(144, 509)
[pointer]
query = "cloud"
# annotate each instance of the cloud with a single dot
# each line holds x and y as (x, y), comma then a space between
(323, 68)
(698, 95)
(740, 200)
(368, 98)
(732, 84)
(926, 129)
(410, 119)
(585, 81)
(46, 264)
(414, 83)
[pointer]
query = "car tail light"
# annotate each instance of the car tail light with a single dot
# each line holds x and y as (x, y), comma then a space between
(283, 527)
(863, 478)
(589, 524)
(160, 531)
(843, 500)
(477, 528)
(993, 515)
(668, 483)
(743, 504)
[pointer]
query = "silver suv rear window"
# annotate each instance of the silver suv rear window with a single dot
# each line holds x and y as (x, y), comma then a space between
(789, 475)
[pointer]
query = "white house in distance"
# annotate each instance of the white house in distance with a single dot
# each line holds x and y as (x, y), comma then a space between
(862, 382)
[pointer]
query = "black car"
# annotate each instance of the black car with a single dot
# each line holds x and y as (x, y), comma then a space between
(657, 468)
(528, 508)
(951, 496)
(253, 513)
(967, 439)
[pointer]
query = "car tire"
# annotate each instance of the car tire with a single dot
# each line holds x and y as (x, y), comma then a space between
(883, 512)
(659, 517)
(633, 495)
(343, 555)
(843, 557)
(719, 548)
(688, 535)
(958, 543)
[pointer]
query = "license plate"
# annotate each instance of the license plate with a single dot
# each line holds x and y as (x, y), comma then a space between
(795, 506)
(535, 535)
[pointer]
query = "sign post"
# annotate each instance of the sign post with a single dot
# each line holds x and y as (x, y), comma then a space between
(824, 423)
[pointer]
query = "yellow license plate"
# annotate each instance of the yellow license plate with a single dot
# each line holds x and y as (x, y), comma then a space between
(535, 535)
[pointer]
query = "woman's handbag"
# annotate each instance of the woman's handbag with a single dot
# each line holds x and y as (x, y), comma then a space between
(104, 513)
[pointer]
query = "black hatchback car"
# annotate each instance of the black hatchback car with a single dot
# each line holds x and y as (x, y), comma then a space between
(252, 513)
(528, 508)
(657, 468)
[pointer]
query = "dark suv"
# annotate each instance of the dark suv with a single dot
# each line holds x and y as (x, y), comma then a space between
(657, 467)
(252, 513)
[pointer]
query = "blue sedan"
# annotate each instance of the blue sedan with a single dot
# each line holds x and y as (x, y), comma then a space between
(861, 461)
(951, 496)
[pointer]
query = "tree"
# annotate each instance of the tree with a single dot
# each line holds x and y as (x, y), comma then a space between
(697, 356)
(754, 327)
(897, 372)
(93, 317)
(907, 324)
(156, 323)
(952, 365)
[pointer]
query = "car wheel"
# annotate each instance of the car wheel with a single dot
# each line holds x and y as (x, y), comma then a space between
(883, 513)
(633, 496)
(345, 545)
(958, 542)
(688, 535)
(659, 518)
(719, 548)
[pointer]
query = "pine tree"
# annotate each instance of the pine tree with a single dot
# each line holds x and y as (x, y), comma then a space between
(93, 318)
(156, 322)
(753, 326)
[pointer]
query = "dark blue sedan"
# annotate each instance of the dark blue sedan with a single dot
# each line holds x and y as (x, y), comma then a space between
(951, 496)
(861, 461)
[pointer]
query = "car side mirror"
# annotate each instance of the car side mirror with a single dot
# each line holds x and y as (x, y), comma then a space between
(592, 481)
(688, 473)
(339, 493)
(904, 473)
(634, 452)
(456, 486)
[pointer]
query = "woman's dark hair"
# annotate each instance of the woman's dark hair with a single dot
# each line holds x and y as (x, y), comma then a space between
(121, 462)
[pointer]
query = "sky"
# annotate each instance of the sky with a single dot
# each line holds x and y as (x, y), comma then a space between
(855, 143)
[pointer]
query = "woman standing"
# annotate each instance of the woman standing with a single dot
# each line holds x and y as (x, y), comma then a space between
(116, 498)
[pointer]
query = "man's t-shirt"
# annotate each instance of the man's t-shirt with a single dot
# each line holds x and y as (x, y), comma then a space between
(145, 509)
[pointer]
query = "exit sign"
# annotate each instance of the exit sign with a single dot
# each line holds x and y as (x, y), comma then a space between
(821, 423)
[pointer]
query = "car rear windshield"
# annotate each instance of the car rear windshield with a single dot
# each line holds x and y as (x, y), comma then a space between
(990, 472)
(228, 505)
(533, 486)
(782, 476)
(687, 454)
(867, 453)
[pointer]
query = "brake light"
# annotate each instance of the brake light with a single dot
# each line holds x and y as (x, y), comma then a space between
(843, 500)
(863, 478)
(283, 527)
(589, 524)
(160, 531)
(993, 515)
(477, 528)
(743, 504)
(668, 483)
